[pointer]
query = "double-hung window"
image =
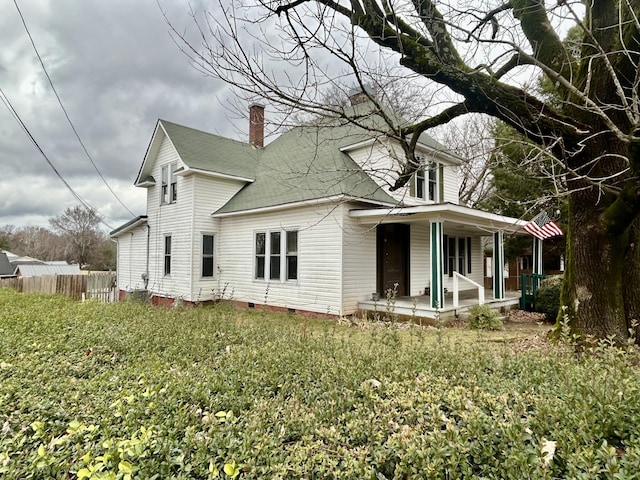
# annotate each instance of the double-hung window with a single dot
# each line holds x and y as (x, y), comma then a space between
(457, 255)
(207, 255)
(427, 182)
(167, 254)
(169, 184)
(276, 255)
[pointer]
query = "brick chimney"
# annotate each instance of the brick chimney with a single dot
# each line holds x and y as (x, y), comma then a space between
(256, 125)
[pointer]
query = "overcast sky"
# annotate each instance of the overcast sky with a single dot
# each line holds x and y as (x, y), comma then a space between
(116, 70)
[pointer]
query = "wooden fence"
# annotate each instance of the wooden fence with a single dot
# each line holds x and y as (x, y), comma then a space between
(95, 286)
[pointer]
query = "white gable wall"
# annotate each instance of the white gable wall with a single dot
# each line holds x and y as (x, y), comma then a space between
(381, 161)
(186, 220)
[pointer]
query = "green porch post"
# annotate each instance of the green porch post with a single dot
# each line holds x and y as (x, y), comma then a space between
(437, 287)
(498, 265)
(537, 255)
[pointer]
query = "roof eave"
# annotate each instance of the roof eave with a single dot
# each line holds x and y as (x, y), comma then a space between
(191, 171)
(302, 203)
(127, 227)
(490, 222)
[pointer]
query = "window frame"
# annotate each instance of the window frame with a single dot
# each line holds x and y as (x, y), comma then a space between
(264, 255)
(168, 183)
(427, 182)
(204, 256)
(457, 252)
(167, 247)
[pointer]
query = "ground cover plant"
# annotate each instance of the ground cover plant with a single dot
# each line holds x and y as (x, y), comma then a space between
(131, 391)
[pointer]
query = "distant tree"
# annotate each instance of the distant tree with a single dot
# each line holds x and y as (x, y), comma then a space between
(79, 226)
(38, 242)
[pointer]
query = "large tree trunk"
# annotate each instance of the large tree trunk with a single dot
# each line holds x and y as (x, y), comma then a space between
(631, 281)
(593, 286)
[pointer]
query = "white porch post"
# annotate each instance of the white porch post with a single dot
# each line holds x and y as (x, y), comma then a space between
(498, 265)
(537, 255)
(437, 287)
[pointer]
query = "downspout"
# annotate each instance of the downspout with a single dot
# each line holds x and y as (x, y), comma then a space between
(145, 275)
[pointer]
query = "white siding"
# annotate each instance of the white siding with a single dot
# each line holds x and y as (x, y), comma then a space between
(172, 219)
(186, 220)
(378, 161)
(318, 287)
(209, 194)
(359, 262)
(451, 184)
(420, 266)
(132, 252)
(381, 160)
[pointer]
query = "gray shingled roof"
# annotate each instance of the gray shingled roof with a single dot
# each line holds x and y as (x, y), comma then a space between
(306, 164)
(213, 153)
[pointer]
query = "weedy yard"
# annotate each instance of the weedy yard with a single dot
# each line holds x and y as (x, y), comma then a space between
(127, 391)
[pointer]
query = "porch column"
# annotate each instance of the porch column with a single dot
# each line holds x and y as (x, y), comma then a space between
(498, 265)
(537, 255)
(437, 287)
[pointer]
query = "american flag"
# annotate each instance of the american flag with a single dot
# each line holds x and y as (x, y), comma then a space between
(541, 226)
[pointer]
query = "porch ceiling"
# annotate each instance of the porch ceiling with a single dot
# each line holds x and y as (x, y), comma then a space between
(456, 218)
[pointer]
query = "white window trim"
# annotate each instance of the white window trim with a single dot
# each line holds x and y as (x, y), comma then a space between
(164, 254)
(169, 180)
(267, 256)
(425, 170)
(213, 255)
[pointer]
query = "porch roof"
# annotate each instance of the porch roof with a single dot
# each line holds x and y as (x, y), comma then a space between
(463, 218)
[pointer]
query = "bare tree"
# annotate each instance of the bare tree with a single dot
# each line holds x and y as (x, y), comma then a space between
(79, 225)
(473, 140)
(481, 56)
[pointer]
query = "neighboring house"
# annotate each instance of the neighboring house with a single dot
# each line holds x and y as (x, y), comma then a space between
(6, 270)
(38, 270)
(306, 223)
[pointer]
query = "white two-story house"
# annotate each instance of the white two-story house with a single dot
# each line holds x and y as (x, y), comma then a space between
(306, 223)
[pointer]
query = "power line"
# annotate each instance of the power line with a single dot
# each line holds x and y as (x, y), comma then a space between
(65, 111)
(78, 197)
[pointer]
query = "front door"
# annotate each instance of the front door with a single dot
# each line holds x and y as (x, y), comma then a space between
(393, 258)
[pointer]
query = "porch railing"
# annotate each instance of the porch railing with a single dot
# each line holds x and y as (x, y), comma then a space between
(456, 278)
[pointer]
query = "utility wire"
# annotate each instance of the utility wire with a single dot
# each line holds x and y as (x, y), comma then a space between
(53, 167)
(65, 111)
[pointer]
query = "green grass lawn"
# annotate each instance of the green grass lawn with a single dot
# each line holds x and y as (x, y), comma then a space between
(90, 390)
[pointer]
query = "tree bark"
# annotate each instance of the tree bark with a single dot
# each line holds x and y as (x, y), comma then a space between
(593, 283)
(631, 281)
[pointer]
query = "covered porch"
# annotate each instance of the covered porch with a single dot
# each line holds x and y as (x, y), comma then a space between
(419, 307)
(429, 259)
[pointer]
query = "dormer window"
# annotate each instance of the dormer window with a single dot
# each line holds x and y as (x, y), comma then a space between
(427, 182)
(169, 188)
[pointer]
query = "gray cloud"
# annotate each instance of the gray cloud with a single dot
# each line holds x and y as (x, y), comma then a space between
(117, 71)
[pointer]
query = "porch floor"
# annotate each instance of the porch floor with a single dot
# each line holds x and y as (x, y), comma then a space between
(420, 306)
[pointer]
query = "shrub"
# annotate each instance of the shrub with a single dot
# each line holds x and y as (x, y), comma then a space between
(547, 299)
(483, 318)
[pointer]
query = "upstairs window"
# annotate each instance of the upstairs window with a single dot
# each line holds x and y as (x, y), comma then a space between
(169, 184)
(427, 182)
